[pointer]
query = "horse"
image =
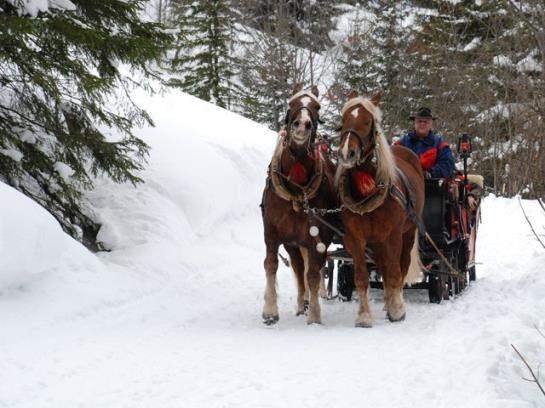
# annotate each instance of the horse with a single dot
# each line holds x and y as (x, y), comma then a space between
(300, 177)
(381, 189)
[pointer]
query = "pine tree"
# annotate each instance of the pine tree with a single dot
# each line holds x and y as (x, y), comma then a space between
(472, 78)
(61, 93)
(203, 62)
(396, 72)
(356, 64)
(376, 58)
(267, 75)
(304, 23)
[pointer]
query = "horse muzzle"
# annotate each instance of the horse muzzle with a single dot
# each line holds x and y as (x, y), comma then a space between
(348, 158)
(300, 135)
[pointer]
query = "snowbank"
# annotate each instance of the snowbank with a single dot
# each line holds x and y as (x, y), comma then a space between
(31, 240)
(206, 165)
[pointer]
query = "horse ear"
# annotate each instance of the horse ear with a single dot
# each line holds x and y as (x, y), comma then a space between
(315, 90)
(376, 98)
(297, 88)
(353, 94)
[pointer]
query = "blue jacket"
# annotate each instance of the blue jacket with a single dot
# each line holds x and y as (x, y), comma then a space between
(435, 155)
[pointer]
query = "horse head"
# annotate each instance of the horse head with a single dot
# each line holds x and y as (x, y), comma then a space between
(360, 117)
(302, 118)
(362, 143)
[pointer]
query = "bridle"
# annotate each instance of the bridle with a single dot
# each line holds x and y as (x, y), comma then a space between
(314, 120)
(364, 143)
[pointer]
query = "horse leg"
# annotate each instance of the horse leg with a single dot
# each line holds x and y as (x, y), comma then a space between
(390, 255)
(323, 290)
(298, 266)
(411, 264)
(379, 256)
(361, 279)
(313, 265)
(270, 310)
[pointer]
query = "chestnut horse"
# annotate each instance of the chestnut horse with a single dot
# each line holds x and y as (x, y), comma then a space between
(382, 192)
(300, 176)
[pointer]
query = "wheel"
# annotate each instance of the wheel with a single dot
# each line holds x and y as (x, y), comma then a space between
(436, 288)
(345, 281)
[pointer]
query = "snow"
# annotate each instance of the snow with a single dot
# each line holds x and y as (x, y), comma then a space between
(502, 61)
(529, 64)
(473, 44)
(171, 316)
(13, 154)
(33, 7)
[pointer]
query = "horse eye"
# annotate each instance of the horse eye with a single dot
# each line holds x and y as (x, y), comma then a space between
(308, 125)
(296, 123)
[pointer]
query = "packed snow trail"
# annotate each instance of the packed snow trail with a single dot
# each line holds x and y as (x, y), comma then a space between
(171, 317)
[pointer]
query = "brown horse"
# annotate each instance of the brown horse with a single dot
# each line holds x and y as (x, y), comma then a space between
(382, 192)
(300, 177)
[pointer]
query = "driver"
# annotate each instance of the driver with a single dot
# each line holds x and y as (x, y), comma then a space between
(435, 155)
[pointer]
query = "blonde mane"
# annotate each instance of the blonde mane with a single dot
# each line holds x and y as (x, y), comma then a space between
(386, 167)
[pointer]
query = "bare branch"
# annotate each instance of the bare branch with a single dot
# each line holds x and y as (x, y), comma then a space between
(536, 379)
(540, 201)
(539, 331)
(530, 224)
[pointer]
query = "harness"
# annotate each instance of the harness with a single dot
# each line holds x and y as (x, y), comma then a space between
(307, 192)
(383, 190)
(276, 179)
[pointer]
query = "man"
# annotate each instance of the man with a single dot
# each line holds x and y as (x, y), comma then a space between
(435, 155)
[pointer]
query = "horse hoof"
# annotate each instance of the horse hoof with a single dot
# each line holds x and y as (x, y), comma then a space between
(393, 320)
(300, 313)
(314, 321)
(270, 320)
(365, 321)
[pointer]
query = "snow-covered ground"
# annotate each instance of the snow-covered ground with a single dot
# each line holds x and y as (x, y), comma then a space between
(171, 316)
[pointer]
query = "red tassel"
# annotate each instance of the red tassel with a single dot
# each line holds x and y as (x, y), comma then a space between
(298, 174)
(365, 183)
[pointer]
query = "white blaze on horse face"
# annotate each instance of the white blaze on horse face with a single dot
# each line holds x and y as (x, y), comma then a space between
(344, 148)
(305, 101)
(356, 112)
(302, 132)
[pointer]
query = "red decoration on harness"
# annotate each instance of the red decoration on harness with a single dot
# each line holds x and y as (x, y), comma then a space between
(428, 158)
(465, 147)
(298, 174)
(365, 183)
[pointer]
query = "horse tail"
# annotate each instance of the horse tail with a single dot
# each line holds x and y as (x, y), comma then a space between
(416, 267)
